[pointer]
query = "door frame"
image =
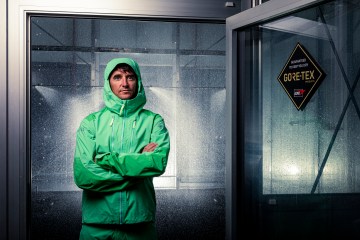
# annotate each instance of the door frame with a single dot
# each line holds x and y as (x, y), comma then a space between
(237, 204)
(15, 167)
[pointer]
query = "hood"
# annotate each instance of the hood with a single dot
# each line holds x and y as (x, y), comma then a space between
(113, 102)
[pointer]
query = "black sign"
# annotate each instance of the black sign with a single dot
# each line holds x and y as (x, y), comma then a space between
(301, 76)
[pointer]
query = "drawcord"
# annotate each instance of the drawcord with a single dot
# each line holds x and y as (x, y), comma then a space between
(122, 108)
(112, 121)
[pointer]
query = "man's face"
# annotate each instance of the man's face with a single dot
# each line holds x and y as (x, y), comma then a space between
(123, 84)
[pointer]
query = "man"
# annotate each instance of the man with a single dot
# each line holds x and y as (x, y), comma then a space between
(119, 149)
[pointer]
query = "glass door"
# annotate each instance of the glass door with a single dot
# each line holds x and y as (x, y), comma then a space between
(294, 78)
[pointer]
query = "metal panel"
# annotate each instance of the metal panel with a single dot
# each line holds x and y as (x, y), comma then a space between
(269, 10)
(201, 9)
(16, 138)
(3, 116)
(230, 135)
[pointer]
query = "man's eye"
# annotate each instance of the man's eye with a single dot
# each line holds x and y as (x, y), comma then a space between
(131, 78)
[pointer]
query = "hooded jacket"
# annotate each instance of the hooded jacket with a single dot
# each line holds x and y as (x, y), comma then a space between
(115, 176)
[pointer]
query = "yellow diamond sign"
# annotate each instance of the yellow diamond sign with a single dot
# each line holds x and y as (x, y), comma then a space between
(301, 76)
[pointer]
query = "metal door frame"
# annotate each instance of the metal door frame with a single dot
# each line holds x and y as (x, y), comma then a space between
(235, 119)
(15, 172)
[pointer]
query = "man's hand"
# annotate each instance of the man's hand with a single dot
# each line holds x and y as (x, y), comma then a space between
(150, 147)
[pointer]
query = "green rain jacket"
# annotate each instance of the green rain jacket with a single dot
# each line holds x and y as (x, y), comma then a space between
(115, 176)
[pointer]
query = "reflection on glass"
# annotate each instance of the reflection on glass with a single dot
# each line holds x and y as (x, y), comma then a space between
(314, 150)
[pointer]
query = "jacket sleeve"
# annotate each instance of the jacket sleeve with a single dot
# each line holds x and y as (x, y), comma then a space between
(87, 174)
(147, 164)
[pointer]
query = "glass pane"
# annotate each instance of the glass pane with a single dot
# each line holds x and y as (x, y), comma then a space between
(312, 150)
(183, 71)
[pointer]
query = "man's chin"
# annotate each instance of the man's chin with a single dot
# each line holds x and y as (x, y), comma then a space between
(125, 96)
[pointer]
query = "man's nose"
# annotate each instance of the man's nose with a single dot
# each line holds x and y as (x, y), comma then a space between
(124, 81)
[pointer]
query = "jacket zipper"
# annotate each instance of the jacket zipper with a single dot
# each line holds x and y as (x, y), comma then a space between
(123, 126)
(111, 149)
(132, 136)
(121, 192)
(121, 149)
(112, 134)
